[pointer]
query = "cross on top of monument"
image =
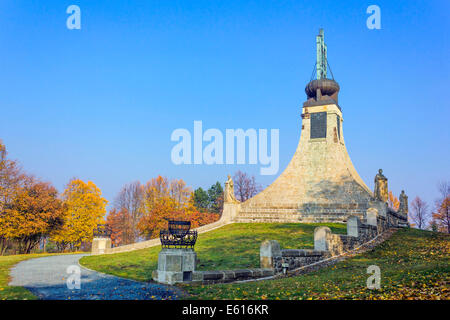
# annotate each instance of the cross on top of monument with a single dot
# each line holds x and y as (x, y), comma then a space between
(321, 63)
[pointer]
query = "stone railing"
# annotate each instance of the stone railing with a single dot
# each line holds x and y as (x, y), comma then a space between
(328, 244)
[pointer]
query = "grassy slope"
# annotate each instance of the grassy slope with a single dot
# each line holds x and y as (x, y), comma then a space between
(230, 247)
(14, 293)
(414, 265)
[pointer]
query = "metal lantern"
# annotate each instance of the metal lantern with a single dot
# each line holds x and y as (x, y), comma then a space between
(178, 235)
(102, 231)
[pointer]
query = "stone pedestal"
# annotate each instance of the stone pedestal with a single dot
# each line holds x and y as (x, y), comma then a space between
(269, 252)
(101, 245)
(175, 265)
(230, 211)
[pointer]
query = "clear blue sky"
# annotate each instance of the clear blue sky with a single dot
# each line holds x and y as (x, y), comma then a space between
(100, 103)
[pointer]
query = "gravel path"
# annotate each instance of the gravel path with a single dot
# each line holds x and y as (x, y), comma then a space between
(47, 279)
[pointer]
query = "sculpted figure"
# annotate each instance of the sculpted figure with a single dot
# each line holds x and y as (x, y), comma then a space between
(229, 191)
(403, 203)
(381, 187)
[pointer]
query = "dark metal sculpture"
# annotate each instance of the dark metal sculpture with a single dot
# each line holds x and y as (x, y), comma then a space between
(178, 235)
(322, 89)
(103, 231)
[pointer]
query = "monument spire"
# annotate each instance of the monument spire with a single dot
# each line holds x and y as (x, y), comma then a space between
(322, 90)
(321, 63)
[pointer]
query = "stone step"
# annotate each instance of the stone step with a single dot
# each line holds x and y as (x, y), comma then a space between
(297, 215)
(289, 219)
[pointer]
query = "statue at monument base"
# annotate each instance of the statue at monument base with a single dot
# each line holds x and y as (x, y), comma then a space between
(381, 187)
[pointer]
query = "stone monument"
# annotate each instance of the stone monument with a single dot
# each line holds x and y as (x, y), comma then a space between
(320, 184)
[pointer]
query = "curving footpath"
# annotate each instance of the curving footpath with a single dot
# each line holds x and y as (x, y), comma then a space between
(47, 279)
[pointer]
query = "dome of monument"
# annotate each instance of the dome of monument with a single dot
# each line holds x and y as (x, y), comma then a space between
(327, 87)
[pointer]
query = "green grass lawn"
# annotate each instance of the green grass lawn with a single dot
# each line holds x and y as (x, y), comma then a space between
(231, 247)
(14, 293)
(414, 265)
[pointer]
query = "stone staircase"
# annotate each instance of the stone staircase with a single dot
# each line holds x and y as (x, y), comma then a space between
(289, 215)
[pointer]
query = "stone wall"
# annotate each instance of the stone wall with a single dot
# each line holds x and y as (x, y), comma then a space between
(224, 276)
(328, 244)
(296, 258)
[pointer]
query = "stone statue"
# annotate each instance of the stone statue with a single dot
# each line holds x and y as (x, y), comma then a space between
(229, 196)
(403, 203)
(381, 187)
(321, 64)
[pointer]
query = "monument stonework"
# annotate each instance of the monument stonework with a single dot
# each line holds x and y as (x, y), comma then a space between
(320, 184)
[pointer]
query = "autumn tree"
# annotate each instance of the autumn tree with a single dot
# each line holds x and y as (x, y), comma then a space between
(11, 182)
(245, 186)
(34, 213)
(85, 208)
(393, 202)
(419, 213)
(441, 215)
(179, 191)
(129, 203)
(196, 217)
(119, 222)
(159, 204)
(164, 199)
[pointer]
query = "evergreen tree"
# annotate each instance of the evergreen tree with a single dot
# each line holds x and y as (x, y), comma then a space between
(215, 195)
(201, 199)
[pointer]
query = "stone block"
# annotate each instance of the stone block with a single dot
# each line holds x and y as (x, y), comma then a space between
(321, 238)
(353, 226)
(212, 275)
(267, 272)
(371, 217)
(197, 276)
(269, 250)
(175, 265)
(228, 275)
(100, 245)
(243, 273)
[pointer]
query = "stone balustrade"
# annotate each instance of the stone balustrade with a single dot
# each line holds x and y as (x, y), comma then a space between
(328, 244)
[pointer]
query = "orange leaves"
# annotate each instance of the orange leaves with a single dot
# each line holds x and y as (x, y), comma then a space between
(34, 212)
(169, 199)
(441, 218)
(120, 224)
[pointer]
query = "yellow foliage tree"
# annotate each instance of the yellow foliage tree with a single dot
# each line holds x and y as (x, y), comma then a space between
(85, 209)
(393, 201)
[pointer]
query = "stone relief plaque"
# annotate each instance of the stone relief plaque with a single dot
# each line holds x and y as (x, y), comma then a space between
(318, 125)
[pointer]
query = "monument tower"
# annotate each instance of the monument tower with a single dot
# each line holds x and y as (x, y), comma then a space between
(320, 184)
